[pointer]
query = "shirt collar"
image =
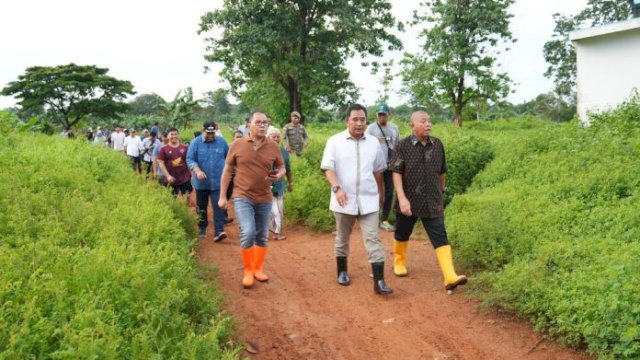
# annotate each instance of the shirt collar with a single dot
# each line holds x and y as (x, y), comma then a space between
(347, 135)
(250, 140)
(414, 140)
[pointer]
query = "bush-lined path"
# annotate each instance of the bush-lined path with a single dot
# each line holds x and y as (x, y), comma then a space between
(302, 313)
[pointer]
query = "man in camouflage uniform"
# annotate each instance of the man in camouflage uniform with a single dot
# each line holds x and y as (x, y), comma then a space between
(295, 135)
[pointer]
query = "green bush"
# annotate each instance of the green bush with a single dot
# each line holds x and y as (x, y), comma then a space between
(95, 262)
(550, 228)
(466, 156)
(308, 204)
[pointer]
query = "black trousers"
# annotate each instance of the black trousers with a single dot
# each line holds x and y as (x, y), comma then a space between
(136, 163)
(388, 194)
(434, 226)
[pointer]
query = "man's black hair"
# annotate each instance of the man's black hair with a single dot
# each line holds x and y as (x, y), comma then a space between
(355, 107)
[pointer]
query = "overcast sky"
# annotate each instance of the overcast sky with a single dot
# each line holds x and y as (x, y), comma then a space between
(155, 45)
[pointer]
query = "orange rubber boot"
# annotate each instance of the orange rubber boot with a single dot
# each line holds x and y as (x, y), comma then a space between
(259, 254)
(247, 261)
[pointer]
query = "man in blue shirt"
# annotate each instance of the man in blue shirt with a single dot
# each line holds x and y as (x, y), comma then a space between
(206, 158)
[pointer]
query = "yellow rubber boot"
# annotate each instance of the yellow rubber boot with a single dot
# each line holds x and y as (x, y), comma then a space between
(259, 254)
(247, 261)
(451, 279)
(400, 257)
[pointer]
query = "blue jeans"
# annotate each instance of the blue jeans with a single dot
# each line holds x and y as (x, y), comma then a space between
(202, 202)
(253, 221)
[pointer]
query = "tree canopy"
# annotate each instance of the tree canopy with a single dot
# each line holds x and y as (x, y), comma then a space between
(147, 104)
(218, 101)
(299, 47)
(560, 54)
(70, 92)
(458, 62)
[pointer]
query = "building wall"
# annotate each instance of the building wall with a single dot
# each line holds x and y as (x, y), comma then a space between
(608, 70)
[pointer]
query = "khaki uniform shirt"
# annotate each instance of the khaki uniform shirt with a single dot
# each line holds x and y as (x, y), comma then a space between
(295, 136)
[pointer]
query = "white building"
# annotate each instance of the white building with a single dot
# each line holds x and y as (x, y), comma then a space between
(608, 60)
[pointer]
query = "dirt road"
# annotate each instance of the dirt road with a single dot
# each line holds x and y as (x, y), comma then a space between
(302, 313)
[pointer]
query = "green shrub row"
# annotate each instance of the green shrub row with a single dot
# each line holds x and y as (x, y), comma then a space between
(95, 262)
(551, 228)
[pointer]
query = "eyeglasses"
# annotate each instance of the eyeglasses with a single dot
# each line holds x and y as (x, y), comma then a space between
(261, 123)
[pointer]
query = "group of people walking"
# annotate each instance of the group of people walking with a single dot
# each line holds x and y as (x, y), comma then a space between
(364, 166)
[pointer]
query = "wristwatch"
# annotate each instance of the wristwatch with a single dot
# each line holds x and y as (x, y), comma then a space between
(335, 188)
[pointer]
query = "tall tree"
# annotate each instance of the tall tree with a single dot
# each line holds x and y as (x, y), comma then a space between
(385, 80)
(70, 92)
(300, 46)
(147, 104)
(560, 53)
(218, 101)
(548, 106)
(458, 61)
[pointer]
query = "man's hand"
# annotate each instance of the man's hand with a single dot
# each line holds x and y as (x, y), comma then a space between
(274, 175)
(405, 207)
(341, 196)
(170, 179)
(222, 202)
(200, 174)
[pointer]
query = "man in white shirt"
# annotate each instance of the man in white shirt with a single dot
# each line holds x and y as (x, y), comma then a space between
(117, 139)
(133, 148)
(353, 164)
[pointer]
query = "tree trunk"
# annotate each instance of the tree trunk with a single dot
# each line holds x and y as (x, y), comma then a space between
(457, 116)
(295, 100)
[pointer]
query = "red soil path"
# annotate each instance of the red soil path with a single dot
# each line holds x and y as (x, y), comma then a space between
(302, 313)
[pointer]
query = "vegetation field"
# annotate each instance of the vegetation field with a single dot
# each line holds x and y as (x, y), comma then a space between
(95, 262)
(551, 229)
(544, 216)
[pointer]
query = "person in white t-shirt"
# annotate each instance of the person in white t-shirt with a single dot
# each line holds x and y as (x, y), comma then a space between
(117, 139)
(133, 149)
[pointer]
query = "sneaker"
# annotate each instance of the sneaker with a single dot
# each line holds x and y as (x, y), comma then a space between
(387, 227)
(220, 237)
(202, 233)
(279, 237)
(228, 221)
